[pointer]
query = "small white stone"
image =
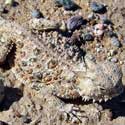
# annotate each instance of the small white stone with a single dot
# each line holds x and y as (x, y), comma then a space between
(112, 52)
(91, 16)
(9, 2)
(98, 32)
(121, 62)
(98, 50)
(115, 60)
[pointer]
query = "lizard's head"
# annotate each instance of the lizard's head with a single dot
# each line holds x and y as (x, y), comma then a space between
(101, 81)
(97, 82)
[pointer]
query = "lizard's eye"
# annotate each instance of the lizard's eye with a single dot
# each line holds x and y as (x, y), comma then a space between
(102, 88)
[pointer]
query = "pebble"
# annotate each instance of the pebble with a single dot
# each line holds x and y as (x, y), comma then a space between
(115, 60)
(63, 27)
(71, 52)
(9, 2)
(98, 50)
(58, 3)
(98, 32)
(98, 29)
(111, 34)
(67, 4)
(75, 22)
(102, 17)
(107, 21)
(121, 62)
(91, 16)
(97, 7)
(25, 119)
(112, 52)
(36, 14)
(37, 75)
(98, 45)
(109, 58)
(115, 41)
(88, 37)
(99, 26)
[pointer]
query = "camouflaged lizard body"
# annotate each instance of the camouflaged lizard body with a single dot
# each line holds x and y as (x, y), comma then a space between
(36, 65)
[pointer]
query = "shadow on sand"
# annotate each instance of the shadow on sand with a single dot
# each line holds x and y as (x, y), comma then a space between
(11, 95)
(116, 105)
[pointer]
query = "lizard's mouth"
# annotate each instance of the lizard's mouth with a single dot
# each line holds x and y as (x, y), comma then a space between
(9, 61)
(89, 90)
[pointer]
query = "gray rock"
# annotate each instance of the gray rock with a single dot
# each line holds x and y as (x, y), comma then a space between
(67, 4)
(91, 16)
(97, 7)
(107, 21)
(75, 22)
(115, 41)
(36, 14)
(88, 37)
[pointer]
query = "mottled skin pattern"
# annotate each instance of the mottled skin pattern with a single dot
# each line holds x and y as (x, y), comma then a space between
(43, 24)
(36, 65)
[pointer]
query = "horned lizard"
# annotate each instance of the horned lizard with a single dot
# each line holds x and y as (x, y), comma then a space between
(36, 66)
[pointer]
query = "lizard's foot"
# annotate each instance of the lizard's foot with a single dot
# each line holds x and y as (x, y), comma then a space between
(72, 113)
(81, 114)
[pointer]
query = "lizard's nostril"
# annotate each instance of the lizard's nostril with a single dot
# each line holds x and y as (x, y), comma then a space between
(9, 61)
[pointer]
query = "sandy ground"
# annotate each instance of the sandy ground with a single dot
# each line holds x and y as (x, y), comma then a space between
(22, 100)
